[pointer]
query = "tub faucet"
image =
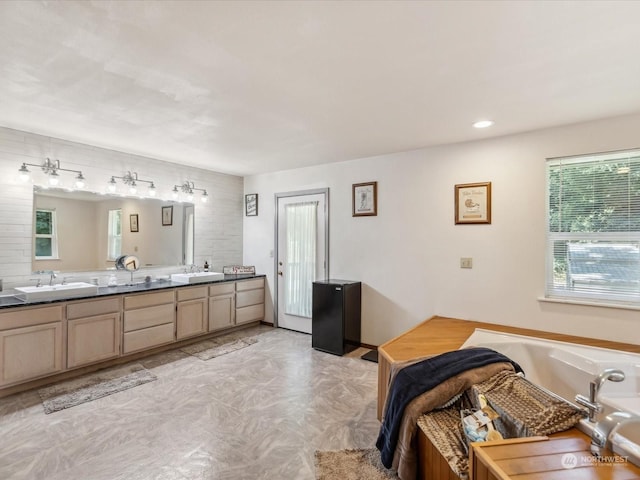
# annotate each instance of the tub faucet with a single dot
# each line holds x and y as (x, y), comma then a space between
(591, 403)
(605, 429)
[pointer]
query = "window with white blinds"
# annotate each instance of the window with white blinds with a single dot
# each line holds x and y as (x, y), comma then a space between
(593, 216)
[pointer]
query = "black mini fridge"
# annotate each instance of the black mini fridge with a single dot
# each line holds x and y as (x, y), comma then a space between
(335, 319)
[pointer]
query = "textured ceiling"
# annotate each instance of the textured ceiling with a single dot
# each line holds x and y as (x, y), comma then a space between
(251, 87)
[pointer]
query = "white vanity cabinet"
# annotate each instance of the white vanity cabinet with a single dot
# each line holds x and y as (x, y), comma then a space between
(149, 320)
(192, 311)
(221, 306)
(249, 300)
(30, 343)
(93, 331)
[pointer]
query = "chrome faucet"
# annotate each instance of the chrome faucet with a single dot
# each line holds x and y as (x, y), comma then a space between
(591, 403)
(53, 276)
(605, 429)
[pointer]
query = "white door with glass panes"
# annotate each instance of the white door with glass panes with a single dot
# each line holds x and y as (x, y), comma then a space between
(301, 256)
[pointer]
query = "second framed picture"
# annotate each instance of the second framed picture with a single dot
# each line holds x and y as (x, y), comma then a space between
(133, 222)
(167, 215)
(251, 205)
(365, 199)
(473, 203)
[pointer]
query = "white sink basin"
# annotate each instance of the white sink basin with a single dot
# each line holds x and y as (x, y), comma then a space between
(196, 277)
(52, 292)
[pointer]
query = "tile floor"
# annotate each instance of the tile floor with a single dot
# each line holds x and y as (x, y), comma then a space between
(257, 413)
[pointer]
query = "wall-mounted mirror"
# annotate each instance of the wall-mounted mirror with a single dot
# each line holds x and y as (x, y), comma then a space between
(86, 231)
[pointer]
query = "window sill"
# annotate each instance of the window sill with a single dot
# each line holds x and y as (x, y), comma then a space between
(587, 303)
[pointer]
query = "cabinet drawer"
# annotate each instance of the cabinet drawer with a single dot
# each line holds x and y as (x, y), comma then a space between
(221, 289)
(249, 314)
(24, 317)
(148, 299)
(148, 317)
(191, 293)
(93, 308)
(148, 337)
(249, 297)
(249, 284)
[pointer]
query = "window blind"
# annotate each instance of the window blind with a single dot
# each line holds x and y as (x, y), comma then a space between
(300, 264)
(593, 218)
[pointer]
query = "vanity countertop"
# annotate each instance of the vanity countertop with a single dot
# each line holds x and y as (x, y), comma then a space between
(13, 300)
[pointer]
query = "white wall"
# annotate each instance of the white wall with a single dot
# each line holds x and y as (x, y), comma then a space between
(218, 223)
(408, 256)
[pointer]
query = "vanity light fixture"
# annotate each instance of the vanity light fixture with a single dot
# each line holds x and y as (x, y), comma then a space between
(79, 180)
(131, 180)
(187, 188)
(51, 169)
(483, 124)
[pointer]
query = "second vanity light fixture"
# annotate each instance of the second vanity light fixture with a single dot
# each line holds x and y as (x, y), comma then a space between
(131, 180)
(187, 188)
(51, 169)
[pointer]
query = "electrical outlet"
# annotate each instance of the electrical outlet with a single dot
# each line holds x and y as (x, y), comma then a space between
(466, 262)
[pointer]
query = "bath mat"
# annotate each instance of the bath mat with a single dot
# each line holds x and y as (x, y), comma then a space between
(217, 347)
(360, 464)
(93, 386)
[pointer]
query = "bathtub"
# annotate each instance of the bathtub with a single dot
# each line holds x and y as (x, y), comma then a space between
(566, 370)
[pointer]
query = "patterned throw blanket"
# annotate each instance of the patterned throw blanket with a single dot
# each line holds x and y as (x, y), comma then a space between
(424, 386)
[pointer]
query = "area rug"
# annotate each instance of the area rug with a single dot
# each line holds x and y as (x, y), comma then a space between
(90, 387)
(361, 464)
(217, 347)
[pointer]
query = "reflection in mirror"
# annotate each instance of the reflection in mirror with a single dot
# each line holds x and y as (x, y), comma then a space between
(86, 231)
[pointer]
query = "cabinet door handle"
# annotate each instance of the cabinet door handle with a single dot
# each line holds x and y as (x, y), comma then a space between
(280, 273)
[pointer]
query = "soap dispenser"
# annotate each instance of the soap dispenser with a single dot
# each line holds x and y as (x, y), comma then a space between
(206, 265)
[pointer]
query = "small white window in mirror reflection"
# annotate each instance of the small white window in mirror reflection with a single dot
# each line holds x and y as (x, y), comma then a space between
(46, 235)
(114, 241)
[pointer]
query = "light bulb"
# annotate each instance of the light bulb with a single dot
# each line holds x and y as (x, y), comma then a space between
(204, 197)
(174, 193)
(483, 124)
(133, 189)
(152, 190)
(54, 179)
(80, 181)
(24, 173)
(111, 186)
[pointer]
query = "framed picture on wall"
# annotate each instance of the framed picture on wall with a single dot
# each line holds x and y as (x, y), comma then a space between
(167, 215)
(133, 222)
(251, 205)
(365, 199)
(473, 203)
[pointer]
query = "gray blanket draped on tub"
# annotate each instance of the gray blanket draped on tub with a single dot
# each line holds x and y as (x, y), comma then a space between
(422, 377)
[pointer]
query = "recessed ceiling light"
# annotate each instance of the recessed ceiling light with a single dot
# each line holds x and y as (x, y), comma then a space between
(483, 124)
